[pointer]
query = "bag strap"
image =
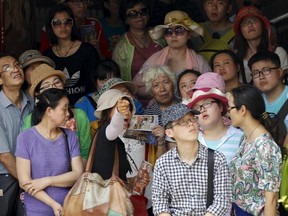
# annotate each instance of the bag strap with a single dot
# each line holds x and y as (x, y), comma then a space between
(210, 194)
(116, 162)
(283, 111)
(67, 147)
(91, 154)
(92, 101)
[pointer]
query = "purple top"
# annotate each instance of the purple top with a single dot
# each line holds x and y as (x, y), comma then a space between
(47, 158)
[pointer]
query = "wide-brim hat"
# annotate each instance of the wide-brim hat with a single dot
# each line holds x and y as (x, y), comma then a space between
(248, 12)
(210, 80)
(175, 112)
(177, 18)
(42, 72)
(31, 56)
(108, 100)
(208, 93)
(112, 82)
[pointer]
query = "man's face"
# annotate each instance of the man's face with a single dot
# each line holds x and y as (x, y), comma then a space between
(11, 72)
(79, 8)
(266, 76)
(217, 10)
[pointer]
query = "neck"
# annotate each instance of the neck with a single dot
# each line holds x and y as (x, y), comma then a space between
(251, 129)
(220, 26)
(216, 131)
(188, 151)
(165, 106)
(177, 53)
(229, 85)
(275, 93)
(138, 32)
(47, 130)
(253, 44)
(14, 96)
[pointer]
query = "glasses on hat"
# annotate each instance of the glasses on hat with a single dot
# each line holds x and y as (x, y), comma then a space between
(249, 21)
(178, 30)
(205, 105)
(78, 2)
(264, 71)
(11, 68)
(134, 14)
(66, 22)
(56, 84)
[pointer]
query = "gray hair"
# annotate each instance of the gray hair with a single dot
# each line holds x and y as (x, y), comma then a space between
(153, 72)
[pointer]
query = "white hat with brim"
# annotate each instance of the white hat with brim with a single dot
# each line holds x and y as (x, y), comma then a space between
(109, 99)
(177, 18)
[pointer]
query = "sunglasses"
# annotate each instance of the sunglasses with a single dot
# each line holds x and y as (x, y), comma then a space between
(65, 22)
(178, 30)
(134, 14)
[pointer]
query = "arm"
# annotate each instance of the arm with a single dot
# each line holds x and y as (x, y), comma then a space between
(271, 203)
(9, 162)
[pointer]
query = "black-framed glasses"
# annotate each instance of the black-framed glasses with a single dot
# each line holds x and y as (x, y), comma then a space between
(205, 105)
(56, 84)
(264, 71)
(249, 21)
(178, 30)
(11, 68)
(78, 2)
(65, 22)
(230, 108)
(185, 122)
(133, 14)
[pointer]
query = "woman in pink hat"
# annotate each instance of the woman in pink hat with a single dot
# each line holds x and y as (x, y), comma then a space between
(252, 34)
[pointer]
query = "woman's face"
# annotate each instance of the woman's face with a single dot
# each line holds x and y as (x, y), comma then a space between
(251, 28)
(176, 37)
(51, 82)
(62, 25)
(233, 112)
(186, 83)
(141, 20)
(224, 65)
(60, 114)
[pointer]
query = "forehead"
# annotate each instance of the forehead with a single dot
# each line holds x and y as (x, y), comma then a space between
(136, 7)
(188, 76)
(261, 64)
(61, 15)
(7, 60)
(222, 56)
(160, 78)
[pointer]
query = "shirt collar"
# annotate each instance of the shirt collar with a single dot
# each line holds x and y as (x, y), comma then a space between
(201, 152)
(6, 102)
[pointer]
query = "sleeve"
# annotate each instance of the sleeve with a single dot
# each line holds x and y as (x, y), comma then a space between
(203, 64)
(222, 187)
(83, 132)
(160, 195)
(4, 143)
(268, 162)
(103, 45)
(73, 143)
(21, 147)
(115, 127)
(27, 122)
(283, 57)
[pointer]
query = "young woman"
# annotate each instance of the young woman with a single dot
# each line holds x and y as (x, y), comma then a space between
(75, 58)
(185, 81)
(227, 64)
(48, 158)
(255, 169)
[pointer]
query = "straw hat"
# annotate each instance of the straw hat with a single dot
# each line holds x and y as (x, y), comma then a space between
(31, 56)
(42, 72)
(177, 18)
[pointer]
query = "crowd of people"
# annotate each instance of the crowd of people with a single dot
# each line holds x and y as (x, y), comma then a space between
(216, 87)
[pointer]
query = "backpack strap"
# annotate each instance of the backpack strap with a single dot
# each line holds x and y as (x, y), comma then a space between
(206, 36)
(210, 193)
(92, 101)
(229, 36)
(67, 147)
(283, 111)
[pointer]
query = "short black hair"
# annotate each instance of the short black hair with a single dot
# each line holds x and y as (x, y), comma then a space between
(264, 56)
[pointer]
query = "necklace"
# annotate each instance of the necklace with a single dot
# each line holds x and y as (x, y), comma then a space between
(58, 51)
(253, 131)
(45, 134)
(140, 41)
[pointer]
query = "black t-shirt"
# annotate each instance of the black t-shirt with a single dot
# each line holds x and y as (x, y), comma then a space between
(78, 69)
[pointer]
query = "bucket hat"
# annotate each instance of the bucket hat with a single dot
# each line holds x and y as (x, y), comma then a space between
(108, 100)
(176, 18)
(31, 56)
(248, 12)
(209, 80)
(175, 112)
(42, 72)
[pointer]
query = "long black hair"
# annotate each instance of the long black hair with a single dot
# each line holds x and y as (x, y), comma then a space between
(48, 98)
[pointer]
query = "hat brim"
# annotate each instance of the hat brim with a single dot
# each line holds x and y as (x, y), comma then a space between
(130, 86)
(157, 32)
(42, 59)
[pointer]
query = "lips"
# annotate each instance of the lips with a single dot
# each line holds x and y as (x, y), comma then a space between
(16, 76)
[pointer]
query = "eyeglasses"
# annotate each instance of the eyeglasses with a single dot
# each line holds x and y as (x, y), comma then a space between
(178, 30)
(57, 84)
(133, 14)
(66, 22)
(264, 71)
(230, 108)
(249, 21)
(78, 2)
(11, 68)
(183, 123)
(205, 105)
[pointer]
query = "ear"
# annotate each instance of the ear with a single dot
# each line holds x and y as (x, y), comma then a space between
(280, 70)
(48, 111)
(169, 132)
(243, 110)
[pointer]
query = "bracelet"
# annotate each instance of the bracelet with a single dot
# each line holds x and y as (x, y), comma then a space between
(52, 181)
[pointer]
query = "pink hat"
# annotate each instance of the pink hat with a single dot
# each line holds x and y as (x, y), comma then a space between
(209, 80)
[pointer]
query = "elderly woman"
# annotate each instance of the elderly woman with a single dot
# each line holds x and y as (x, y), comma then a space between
(178, 28)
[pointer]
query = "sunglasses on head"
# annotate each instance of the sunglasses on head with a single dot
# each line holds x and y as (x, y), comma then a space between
(65, 22)
(134, 14)
(178, 30)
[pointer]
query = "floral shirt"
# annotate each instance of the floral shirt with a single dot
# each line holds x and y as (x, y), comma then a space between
(255, 168)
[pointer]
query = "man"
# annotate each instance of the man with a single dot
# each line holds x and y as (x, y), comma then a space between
(267, 76)
(181, 175)
(14, 106)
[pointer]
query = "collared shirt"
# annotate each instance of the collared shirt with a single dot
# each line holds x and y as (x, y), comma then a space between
(181, 189)
(11, 121)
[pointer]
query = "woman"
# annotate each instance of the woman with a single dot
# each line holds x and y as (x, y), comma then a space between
(177, 30)
(44, 77)
(185, 81)
(227, 64)
(136, 45)
(252, 34)
(255, 168)
(75, 58)
(44, 168)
